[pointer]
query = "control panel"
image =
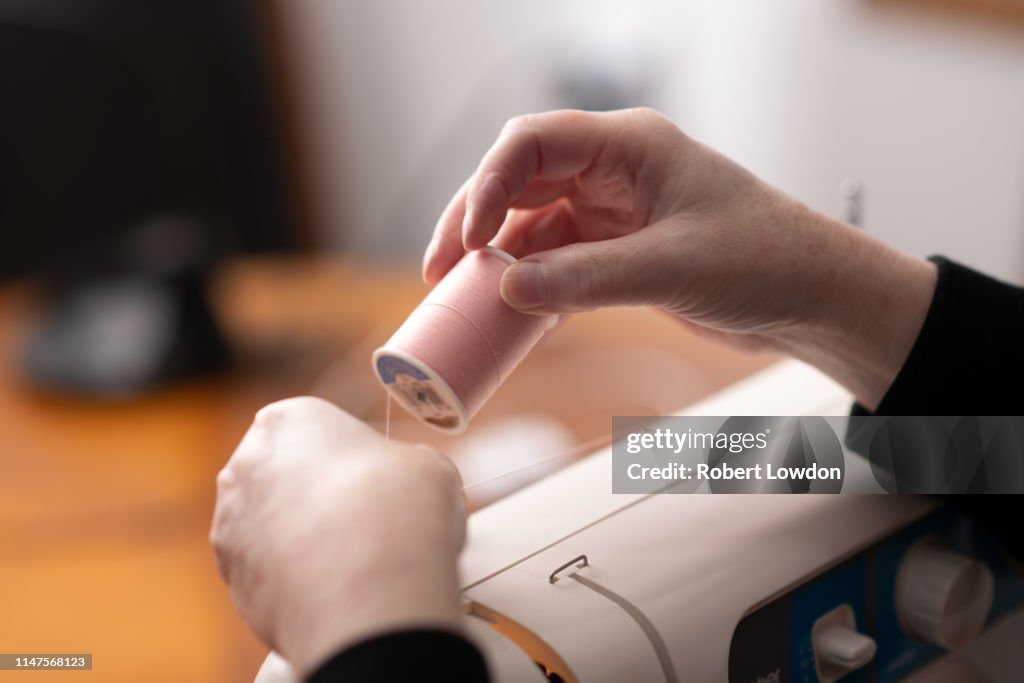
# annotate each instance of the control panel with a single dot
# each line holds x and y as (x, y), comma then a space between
(885, 613)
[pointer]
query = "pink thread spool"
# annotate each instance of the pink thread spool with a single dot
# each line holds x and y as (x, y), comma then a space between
(459, 345)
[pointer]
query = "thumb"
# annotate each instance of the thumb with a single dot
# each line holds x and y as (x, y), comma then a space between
(637, 269)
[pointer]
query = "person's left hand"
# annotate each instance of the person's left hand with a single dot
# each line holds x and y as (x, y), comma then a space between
(327, 534)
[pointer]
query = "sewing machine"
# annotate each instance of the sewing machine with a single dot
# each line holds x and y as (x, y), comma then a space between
(564, 581)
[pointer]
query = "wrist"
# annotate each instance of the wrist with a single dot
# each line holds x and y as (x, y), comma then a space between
(349, 612)
(869, 304)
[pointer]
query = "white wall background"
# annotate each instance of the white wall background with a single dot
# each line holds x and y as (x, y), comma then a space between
(401, 97)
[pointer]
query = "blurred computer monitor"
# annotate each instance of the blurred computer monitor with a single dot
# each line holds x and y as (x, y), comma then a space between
(139, 145)
(116, 111)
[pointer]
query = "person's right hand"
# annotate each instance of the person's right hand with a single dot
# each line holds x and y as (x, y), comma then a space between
(622, 208)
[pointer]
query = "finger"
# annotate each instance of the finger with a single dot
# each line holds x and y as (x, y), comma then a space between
(547, 147)
(527, 232)
(543, 192)
(630, 270)
(445, 247)
(560, 320)
(559, 224)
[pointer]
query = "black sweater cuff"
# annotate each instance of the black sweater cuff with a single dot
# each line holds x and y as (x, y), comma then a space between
(969, 356)
(414, 655)
(968, 360)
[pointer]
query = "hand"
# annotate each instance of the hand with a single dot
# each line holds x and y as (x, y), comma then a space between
(326, 533)
(621, 208)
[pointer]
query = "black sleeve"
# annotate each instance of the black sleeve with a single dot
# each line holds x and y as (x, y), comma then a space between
(418, 655)
(968, 360)
(969, 356)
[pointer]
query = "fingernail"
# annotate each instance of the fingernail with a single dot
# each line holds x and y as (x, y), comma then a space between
(428, 256)
(483, 196)
(467, 221)
(524, 285)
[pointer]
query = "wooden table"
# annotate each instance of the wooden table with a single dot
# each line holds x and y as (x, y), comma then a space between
(104, 508)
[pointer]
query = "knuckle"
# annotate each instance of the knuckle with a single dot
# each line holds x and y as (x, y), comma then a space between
(533, 123)
(648, 114)
(646, 118)
(285, 409)
(223, 561)
(426, 451)
(519, 123)
(436, 468)
(226, 478)
(268, 414)
(222, 541)
(589, 278)
(572, 117)
(217, 536)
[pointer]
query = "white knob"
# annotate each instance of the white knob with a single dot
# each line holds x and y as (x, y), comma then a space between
(942, 597)
(275, 670)
(838, 647)
(845, 647)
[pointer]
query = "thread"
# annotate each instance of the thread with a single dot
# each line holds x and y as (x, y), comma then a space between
(459, 345)
(582, 448)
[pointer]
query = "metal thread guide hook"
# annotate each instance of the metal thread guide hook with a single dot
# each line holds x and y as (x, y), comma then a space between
(581, 560)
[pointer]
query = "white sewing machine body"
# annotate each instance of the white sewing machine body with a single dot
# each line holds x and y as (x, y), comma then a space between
(566, 581)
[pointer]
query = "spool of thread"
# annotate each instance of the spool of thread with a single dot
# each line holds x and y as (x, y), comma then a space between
(459, 345)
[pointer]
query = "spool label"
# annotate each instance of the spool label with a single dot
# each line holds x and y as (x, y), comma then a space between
(418, 393)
